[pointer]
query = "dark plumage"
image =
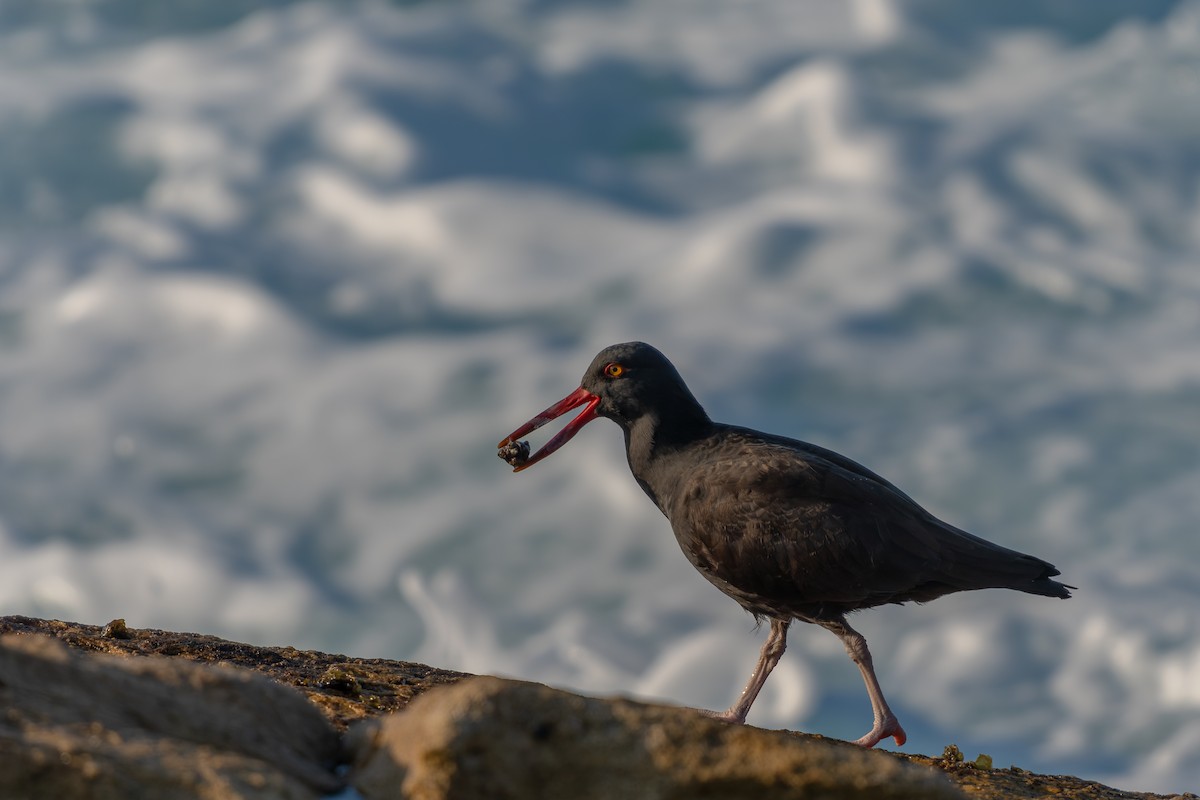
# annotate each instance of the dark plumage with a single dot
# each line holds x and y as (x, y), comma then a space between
(788, 529)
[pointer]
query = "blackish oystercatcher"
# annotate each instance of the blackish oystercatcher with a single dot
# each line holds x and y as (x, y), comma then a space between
(788, 529)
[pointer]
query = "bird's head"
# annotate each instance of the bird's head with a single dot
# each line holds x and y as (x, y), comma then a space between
(626, 383)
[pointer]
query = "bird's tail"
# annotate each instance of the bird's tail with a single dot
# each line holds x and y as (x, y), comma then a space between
(1047, 587)
(987, 565)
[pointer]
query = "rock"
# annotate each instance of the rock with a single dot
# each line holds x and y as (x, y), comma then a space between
(102, 726)
(344, 688)
(153, 718)
(493, 738)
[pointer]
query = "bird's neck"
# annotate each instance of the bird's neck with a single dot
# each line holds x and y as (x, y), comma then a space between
(653, 441)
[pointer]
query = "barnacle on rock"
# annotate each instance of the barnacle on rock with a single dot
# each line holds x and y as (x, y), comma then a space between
(952, 755)
(116, 630)
(340, 680)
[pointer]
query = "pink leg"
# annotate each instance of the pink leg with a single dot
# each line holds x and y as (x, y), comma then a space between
(772, 650)
(886, 723)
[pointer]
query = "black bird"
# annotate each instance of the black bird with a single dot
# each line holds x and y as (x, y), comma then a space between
(788, 529)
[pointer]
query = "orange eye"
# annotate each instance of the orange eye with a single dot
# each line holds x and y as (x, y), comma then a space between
(614, 370)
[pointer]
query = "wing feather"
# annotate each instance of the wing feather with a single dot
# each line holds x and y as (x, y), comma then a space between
(783, 525)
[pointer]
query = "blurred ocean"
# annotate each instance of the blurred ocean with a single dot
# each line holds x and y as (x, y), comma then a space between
(275, 277)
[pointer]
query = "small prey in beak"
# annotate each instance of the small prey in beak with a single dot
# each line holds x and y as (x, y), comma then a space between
(517, 453)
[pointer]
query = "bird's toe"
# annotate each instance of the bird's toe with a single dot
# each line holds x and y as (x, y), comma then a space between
(882, 730)
(727, 716)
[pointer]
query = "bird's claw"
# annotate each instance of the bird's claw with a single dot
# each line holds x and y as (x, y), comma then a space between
(882, 730)
(730, 716)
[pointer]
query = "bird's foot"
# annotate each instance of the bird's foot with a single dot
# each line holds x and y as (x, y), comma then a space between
(889, 726)
(731, 715)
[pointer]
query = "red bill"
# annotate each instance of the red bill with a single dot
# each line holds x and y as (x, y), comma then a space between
(579, 397)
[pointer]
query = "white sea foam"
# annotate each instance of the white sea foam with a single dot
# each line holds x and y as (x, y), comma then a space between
(273, 289)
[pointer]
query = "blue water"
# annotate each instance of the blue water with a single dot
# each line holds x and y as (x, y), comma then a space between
(275, 277)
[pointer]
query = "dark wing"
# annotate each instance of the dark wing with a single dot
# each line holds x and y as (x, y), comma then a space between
(783, 526)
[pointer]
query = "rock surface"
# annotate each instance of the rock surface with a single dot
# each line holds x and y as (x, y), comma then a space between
(345, 689)
(501, 739)
(98, 726)
(119, 712)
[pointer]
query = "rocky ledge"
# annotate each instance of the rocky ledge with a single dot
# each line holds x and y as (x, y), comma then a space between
(114, 712)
